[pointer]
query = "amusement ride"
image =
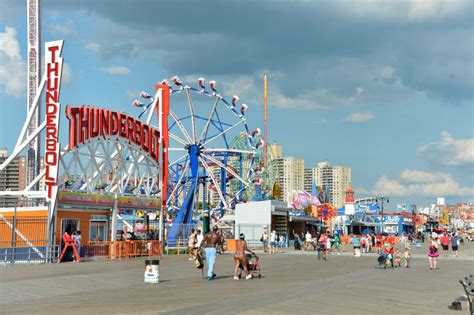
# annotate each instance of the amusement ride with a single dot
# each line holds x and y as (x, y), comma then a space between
(204, 167)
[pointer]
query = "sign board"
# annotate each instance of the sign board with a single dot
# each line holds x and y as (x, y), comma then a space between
(54, 70)
(69, 197)
(86, 123)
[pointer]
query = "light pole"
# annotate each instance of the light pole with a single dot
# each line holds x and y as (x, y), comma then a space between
(382, 199)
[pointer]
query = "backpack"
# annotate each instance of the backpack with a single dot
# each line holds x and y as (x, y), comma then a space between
(198, 263)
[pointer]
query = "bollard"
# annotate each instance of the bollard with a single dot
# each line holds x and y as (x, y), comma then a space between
(152, 271)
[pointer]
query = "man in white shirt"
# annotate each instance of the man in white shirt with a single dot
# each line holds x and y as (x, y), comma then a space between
(199, 238)
(308, 240)
(273, 240)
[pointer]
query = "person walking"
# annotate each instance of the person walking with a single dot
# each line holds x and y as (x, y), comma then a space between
(407, 257)
(378, 243)
(368, 246)
(273, 241)
(308, 240)
(77, 238)
(264, 240)
(455, 244)
(363, 243)
(444, 240)
(199, 238)
(356, 244)
(281, 242)
(240, 259)
(192, 244)
(322, 246)
(211, 242)
(336, 244)
(433, 252)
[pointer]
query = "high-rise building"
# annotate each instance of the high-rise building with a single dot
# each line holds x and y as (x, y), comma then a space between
(289, 174)
(334, 179)
(9, 179)
(275, 150)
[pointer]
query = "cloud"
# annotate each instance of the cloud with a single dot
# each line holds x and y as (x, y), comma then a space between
(116, 70)
(67, 74)
(449, 151)
(358, 117)
(398, 50)
(423, 177)
(12, 65)
(92, 46)
(389, 187)
(66, 29)
(411, 11)
(421, 183)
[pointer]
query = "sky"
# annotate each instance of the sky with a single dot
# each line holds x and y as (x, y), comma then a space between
(383, 87)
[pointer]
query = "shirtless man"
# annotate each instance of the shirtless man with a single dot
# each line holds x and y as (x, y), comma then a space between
(239, 257)
(211, 242)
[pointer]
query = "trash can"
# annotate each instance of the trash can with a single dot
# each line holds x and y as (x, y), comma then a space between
(152, 271)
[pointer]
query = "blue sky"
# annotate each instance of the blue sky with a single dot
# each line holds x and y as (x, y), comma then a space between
(383, 87)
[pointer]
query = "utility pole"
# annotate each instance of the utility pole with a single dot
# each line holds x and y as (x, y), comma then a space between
(382, 199)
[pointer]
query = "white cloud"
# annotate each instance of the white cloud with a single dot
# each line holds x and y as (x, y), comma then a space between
(92, 46)
(116, 70)
(12, 65)
(449, 151)
(359, 117)
(424, 184)
(423, 177)
(67, 74)
(410, 10)
(66, 29)
(389, 187)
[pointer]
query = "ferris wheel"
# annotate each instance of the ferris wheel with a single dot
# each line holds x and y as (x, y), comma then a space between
(202, 163)
(264, 176)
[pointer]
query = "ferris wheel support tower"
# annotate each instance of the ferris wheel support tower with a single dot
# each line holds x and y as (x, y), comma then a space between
(34, 74)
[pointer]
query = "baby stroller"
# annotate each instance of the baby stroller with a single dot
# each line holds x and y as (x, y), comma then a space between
(253, 266)
(383, 260)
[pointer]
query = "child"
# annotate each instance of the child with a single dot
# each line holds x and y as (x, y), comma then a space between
(389, 252)
(407, 257)
(398, 258)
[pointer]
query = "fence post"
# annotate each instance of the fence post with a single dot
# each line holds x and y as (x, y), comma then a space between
(14, 236)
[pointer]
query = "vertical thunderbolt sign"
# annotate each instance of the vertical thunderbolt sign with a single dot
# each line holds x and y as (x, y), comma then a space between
(54, 70)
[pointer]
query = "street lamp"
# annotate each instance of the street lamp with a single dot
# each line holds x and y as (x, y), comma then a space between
(382, 199)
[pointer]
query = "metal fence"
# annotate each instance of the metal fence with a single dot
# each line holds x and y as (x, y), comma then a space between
(23, 240)
(9, 256)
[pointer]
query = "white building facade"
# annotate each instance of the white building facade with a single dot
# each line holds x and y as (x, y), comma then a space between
(289, 174)
(336, 179)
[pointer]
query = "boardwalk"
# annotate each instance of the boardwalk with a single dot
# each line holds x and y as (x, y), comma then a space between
(293, 283)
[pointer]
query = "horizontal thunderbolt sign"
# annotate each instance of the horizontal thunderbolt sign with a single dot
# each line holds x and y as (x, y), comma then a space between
(87, 123)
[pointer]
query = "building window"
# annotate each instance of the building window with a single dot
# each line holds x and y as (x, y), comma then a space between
(98, 231)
